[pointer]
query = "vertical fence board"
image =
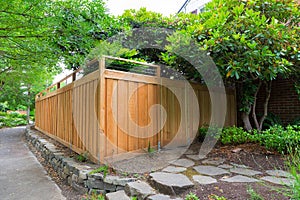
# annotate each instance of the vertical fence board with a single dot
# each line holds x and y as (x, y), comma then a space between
(113, 133)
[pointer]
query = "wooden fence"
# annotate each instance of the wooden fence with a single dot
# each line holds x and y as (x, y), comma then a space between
(111, 112)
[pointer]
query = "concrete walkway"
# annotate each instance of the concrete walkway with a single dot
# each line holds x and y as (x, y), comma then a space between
(21, 175)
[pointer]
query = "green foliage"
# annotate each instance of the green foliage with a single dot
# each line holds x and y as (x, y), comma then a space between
(272, 120)
(83, 157)
(150, 149)
(296, 121)
(235, 135)
(12, 119)
(280, 139)
(294, 167)
(275, 138)
(292, 191)
(4, 106)
(103, 169)
(191, 196)
(205, 130)
(94, 196)
(215, 197)
(254, 195)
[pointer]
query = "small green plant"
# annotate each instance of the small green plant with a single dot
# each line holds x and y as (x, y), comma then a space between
(150, 149)
(103, 169)
(83, 157)
(94, 196)
(254, 195)
(191, 196)
(235, 135)
(293, 163)
(271, 120)
(133, 198)
(215, 197)
(12, 119)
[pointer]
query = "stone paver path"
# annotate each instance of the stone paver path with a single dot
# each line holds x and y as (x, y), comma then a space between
(239, 179)
(210, 170)
(204, 180)
(170, 183)
(21, 175)
(244, 171)
(183, 163)
(172, 169)
(277, 180)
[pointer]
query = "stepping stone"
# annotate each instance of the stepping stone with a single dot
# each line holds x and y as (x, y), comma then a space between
(189, 151)
(120, 195)
(172, 169)
(171, 184)
(139, 189)
(239, 179)
(214, 161)
(204, 180)
(278, 173)
(194, 157)
(225, 166)
(183, 163)
(239, 166)
(278, 181)
(210, 170)
(243, 171)
(161, 197)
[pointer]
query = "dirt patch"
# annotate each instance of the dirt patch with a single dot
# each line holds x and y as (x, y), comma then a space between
(252, 155)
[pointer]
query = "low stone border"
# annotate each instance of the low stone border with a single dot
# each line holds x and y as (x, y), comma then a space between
(76, 175)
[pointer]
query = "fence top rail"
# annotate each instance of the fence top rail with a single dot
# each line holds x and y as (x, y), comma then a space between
(131, 61)
(57, 84)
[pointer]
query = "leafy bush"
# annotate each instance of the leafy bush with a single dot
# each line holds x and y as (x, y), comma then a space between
(271, 120)
(235, 135)
(275, 138)
(280, 139)
(12, 119)
(212, 131)
(296, 121)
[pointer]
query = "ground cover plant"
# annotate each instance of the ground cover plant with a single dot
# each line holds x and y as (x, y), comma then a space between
(12, 119)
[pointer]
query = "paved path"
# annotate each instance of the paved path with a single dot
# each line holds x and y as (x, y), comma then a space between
(21, 175)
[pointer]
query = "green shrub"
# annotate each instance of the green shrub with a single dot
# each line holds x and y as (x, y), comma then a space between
(12, 119)
(212, 131)
(275, 138)
(236, 135)
(296, 121)
(280, 139)
(271, 120)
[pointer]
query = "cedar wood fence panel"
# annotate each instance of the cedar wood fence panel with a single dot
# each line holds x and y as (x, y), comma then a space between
(81, 115)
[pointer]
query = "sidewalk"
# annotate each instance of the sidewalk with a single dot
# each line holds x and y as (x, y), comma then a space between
(21, 175)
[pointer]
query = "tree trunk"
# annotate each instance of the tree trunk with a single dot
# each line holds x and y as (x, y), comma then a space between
(28, 104)
(28, 114)
(246, 121)
(254, 106)
(268, 95)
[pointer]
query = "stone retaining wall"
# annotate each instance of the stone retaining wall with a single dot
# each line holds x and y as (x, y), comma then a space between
(76, 174)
